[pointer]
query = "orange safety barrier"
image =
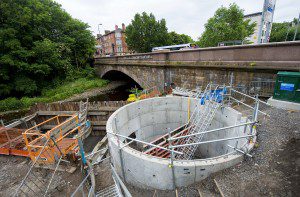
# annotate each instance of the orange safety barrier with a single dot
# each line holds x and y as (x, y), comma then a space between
(155, 92)
(12, 142)
(55, 142)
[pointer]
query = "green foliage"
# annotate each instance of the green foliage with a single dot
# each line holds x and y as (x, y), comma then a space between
(145, 32)
(40, 43)
(176, 38)
(284, 31)
(227, 24)
(10, 104)
(135, 91)
(61, 92)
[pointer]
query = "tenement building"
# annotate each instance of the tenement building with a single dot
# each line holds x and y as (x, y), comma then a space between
(112, 42)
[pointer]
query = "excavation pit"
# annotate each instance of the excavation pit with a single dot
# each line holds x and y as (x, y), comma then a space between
(149, 119)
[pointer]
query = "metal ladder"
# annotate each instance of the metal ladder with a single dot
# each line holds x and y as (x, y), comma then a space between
(200, 121)
(109, 191)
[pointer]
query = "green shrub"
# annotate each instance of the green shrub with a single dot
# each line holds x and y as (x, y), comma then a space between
(10, 104)
(62, 92)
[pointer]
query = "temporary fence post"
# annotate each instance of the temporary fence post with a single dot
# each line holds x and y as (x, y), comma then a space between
(171, 165)
(80, 144)
(255, 114)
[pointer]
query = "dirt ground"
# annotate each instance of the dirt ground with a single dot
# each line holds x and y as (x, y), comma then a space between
(13, 170)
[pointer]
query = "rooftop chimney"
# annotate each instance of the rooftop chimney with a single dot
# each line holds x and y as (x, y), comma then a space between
(116, 27)
(98, 36)
(123, 27)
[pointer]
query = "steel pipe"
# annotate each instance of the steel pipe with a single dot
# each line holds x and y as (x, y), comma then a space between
(213, 130)
(212, 141)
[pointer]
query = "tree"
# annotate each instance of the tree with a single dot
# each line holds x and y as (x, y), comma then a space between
(176, 38)
(145, 32)
(39, 43)
(284, 31)
(227, 24)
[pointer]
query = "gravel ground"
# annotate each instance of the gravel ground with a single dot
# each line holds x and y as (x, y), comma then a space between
(274, 168)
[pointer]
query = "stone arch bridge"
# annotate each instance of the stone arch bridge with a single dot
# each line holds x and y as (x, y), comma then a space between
(197, 67)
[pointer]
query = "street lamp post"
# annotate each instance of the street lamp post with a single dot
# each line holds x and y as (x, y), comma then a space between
(99, 27)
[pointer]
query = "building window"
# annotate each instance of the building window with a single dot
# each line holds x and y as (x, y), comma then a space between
(118, 35)
(120, 49)
(119, 42)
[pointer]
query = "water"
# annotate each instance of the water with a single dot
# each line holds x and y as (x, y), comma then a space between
(121, 93)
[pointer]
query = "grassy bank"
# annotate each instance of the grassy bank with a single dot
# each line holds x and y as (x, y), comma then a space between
(62, 92)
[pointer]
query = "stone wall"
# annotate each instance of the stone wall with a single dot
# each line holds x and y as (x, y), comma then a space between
(148, 77)
(198, 67)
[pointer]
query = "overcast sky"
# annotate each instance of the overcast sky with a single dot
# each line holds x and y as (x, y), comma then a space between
(182, 16)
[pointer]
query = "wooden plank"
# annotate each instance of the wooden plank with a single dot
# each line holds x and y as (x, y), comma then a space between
(108, 108)
(219, 189)
(99, 128)
(97, 113)
(99, 144)
(55, 113)
(200, 194)
(99, 123)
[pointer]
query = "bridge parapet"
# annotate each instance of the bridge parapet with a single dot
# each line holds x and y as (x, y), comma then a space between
(278, 56)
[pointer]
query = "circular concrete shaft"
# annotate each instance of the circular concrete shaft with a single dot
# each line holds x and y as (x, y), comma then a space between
(150, 118)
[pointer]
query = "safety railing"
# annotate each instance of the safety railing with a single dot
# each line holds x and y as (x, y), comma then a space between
(61, 136)
(86, 187)
(261, 88)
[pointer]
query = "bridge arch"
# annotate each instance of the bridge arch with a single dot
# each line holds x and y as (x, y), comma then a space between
(118, 75)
